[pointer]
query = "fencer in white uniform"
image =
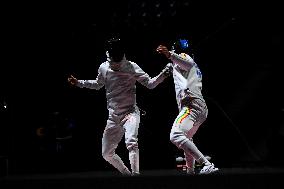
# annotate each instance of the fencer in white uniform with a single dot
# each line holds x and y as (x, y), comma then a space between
(119, 75)
(191, 104)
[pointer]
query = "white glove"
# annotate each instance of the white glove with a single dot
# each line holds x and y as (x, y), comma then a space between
(167, 71)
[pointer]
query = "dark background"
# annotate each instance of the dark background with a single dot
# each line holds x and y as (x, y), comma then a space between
(237, 44)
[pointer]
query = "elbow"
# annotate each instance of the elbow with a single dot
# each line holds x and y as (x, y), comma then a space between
(151, 86)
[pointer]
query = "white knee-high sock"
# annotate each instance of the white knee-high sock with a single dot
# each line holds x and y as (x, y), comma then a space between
(190, 161)
(134, 160)
(190, 148)
(116, 161)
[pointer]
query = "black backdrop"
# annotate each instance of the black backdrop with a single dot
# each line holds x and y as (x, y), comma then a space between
(237, 45)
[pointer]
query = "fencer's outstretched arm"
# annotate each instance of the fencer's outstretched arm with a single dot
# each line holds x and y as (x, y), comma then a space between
(184, 62)
(98, 83)
(146, 80)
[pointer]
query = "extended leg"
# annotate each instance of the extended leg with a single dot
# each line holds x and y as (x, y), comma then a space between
(111, 137)
(131, 126)
(182, 131)
(190, 162)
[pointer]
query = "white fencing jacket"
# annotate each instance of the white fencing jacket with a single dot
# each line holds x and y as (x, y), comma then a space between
(187, 77)
(120, 85)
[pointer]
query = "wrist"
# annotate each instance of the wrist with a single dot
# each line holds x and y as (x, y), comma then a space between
(168, 55)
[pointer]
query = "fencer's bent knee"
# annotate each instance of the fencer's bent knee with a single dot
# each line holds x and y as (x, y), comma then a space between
(174, 137)
(131, 143)
(132, 146)
(178, 138)
(107, 154)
